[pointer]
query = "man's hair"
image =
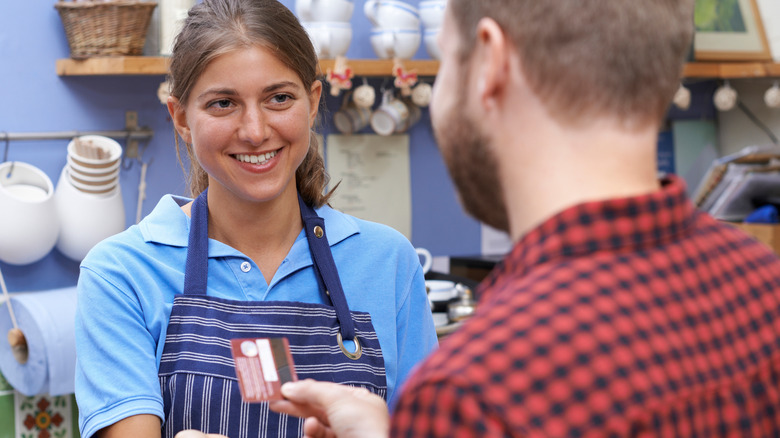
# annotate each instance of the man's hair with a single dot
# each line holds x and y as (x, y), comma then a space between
(592, 58)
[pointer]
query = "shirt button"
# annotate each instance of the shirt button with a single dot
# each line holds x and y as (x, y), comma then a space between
(246, 266)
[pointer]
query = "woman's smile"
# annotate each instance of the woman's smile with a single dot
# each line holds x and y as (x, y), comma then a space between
(260, 159)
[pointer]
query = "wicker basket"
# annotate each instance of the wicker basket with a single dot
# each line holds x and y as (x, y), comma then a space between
(105, 28)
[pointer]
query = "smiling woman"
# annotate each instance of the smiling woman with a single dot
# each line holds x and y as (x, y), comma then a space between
(256, 254)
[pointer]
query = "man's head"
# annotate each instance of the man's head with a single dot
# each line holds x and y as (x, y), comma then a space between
(583, 61)
(586, 59)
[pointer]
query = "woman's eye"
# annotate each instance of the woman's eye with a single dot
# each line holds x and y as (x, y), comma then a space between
(222, 103)
(282, 98)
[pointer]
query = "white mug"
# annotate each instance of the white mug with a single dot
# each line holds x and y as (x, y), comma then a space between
(351, 118)
(426, 259)
(391, 14)
(364, 96)
(330, 39)
(392, 115)
(324, 10)
(432, 13)
(399, 43)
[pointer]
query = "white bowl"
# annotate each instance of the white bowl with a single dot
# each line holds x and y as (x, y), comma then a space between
(432, 13)
(391, 14)
(440, 290)
(430, 39)
(86, 219)
(92, 171)
(105, 188)
(330, 39)
(395, 43)
(110, 147)
(324, 10)
(28, 223)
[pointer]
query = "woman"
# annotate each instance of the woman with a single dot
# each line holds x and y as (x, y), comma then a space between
(257, 253)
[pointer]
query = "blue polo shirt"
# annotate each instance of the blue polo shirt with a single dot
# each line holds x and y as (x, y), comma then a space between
(128, 282)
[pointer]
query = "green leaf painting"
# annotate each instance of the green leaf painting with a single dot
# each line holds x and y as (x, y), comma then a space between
(719, 16)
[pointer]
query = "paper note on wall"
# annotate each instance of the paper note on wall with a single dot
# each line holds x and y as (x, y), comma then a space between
(375, 178)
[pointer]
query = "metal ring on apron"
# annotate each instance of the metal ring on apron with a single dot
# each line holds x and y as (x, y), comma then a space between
(358, 349)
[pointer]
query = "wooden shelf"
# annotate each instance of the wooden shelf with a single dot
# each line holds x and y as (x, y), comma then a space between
(113, 65)
(731, 70)
(158, 65)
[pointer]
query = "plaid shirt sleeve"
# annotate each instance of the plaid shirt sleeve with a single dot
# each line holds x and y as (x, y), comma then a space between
(446, 409)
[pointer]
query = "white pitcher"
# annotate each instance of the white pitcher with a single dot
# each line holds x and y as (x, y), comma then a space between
(28, 220)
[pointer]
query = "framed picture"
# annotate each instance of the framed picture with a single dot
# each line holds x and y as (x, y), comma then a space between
(729, 30)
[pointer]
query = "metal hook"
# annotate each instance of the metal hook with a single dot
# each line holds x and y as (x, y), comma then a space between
(7, 139)
(7, 145)
(127, 163)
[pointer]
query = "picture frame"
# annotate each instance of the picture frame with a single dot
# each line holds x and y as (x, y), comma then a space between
(729, 30)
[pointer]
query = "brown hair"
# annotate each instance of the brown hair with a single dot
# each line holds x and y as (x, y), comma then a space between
(215, 27)
(592, 58)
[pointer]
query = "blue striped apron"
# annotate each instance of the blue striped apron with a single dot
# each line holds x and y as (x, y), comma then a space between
(197, 375)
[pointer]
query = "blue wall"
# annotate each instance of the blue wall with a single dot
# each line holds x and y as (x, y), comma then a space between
(35, 99)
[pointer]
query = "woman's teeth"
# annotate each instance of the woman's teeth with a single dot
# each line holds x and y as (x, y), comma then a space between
(255, 159)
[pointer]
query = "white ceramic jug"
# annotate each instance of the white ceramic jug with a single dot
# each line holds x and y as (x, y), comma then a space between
(86, 219)
(28, 221)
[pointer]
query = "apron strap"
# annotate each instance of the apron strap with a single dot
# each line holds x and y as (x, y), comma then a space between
(196, 268)
(326, 267)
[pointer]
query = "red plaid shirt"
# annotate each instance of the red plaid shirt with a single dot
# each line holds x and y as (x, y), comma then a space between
(630, 317)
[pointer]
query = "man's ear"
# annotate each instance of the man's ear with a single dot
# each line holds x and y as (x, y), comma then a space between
(491, 58)
(179, 117)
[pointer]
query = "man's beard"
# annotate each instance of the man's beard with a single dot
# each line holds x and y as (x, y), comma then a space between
(472, 166)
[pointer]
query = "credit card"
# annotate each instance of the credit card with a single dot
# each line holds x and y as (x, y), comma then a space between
(263, 365)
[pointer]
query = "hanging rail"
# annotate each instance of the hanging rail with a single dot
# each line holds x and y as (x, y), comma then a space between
(136, 134)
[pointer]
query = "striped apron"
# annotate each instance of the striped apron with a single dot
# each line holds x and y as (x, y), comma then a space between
(197, 374)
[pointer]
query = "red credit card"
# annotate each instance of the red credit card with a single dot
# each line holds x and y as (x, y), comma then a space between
(262, 366)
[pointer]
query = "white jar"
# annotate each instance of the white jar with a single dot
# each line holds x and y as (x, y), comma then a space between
(28, 219)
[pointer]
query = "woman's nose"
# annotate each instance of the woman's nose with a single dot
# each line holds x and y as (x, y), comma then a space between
(254, 127)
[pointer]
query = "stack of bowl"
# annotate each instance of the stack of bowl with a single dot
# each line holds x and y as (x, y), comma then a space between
(328, 24)
(88, 197)
(93, 164)
(396, 32)
(432, 14)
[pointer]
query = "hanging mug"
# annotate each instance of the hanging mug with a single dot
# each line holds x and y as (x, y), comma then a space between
(364, 95)
(351, 118)
(392, 115)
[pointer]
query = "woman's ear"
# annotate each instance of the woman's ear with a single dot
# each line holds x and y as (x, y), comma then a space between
(179, 117)
(314, 101)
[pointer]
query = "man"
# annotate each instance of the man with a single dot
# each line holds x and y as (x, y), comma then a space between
(621, 310)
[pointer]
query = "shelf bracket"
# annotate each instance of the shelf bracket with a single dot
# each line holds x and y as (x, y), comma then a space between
(131, 125)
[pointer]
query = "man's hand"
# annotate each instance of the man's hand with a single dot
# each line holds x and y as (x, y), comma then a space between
(333, 410)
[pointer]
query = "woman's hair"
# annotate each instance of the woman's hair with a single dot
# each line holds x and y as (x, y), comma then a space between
(215, 27)
(591, 58)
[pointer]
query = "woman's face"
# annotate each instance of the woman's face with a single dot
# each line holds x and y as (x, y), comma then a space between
(248, 119)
